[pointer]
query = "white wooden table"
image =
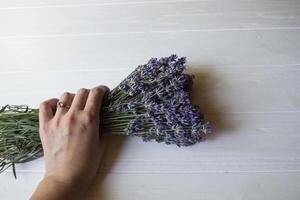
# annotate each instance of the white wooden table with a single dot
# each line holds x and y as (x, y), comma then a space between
(246, 57)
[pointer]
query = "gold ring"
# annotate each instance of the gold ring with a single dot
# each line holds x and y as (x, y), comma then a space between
(61, 104)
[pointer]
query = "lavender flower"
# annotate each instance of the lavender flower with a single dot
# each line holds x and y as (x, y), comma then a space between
(160, 92)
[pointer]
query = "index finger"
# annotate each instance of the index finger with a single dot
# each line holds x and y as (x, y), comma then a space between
(94, 100)
(46, 109)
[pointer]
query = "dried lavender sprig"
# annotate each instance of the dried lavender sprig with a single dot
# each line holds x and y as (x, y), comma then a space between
(19, 138)
(153, 102)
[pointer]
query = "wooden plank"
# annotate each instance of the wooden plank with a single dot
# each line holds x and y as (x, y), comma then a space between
(35, 4)
(152, 16)
(216, 90)
(18, 4)
(207, 186)
(253, 143)
(195, 186)
(258, 155)
(124, 50)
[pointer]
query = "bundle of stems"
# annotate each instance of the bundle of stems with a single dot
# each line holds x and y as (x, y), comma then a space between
(153, 102)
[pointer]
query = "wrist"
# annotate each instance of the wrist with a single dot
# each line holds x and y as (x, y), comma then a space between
(54, 188)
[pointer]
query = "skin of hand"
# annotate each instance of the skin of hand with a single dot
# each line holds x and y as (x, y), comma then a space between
(71, 142)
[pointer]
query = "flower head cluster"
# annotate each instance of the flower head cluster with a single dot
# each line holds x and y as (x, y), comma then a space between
(155, 99)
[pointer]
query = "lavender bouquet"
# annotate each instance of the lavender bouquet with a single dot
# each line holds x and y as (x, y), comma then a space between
(153, 103)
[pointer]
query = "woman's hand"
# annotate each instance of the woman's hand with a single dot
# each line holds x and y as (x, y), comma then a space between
(70, 138)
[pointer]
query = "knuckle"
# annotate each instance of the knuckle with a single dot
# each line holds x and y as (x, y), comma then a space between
(43, 105)
(82, 90)
(55, 123)
(65, 94)
(70, 120)
(97, 91)
(88, 118)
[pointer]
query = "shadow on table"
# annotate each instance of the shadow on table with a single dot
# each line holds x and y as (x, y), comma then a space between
(207, 94)
(113, 149)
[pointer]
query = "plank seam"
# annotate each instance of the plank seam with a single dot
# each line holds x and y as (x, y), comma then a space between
(98, 4)
(145, 32)
(127, 69)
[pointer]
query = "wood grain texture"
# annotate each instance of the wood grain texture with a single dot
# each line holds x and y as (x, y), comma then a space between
(127, 50)
(241, 89)
(245, 55)
(205, 186)
(136, 17)
(255, 143)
